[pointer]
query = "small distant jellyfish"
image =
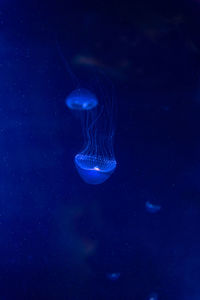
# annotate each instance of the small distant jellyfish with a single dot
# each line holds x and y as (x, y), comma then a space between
(113, 276)
(96, 162)
(81, 99)
(152, 208)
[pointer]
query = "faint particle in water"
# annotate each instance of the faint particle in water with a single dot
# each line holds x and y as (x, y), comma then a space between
(113, 276)
(152, 208)
(81, 99)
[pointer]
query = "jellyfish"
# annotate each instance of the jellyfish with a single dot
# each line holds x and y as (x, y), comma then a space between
(152, 208)
(81, 99)
(96, 162)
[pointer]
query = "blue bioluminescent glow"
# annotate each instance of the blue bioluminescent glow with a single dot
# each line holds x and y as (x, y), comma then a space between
(81, 99)
(96, 162)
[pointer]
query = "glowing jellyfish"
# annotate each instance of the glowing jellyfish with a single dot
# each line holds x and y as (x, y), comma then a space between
(81, 99)
(96, 162)
(152, 208)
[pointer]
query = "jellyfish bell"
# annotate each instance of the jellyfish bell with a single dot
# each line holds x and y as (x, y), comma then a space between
(93, 169)
(81, 99)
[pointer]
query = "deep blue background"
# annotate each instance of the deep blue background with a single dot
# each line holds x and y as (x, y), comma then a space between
(59, 237)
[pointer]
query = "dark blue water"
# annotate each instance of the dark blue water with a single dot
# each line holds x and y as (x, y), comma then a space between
(64, 239)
